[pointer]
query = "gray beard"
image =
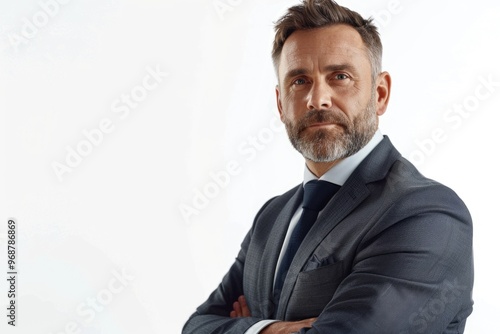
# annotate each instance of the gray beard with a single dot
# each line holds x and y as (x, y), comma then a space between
(325, 146)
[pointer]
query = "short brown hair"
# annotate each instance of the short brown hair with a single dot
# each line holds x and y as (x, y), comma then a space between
(321, 13)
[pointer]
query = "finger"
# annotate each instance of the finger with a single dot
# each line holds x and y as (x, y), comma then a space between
(245, 311)
(232, 314)
(237, 309)
(310, 321)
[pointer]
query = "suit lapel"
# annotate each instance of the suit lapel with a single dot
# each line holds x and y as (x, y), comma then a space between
(271, 253)
(374, 167)
(344, 202)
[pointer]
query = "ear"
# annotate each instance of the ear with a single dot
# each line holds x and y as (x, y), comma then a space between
(278, 102)
(383, 89)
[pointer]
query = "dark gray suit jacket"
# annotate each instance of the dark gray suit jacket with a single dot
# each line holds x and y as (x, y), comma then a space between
(390, 253)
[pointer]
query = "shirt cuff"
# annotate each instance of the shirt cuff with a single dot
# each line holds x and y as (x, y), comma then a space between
(256, 328)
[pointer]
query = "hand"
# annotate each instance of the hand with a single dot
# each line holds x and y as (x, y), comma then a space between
(240, 308)
(287, 327)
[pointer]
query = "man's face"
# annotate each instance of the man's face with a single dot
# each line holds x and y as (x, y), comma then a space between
(326, 96)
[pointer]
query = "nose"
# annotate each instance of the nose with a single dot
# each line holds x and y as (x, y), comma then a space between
(320, 96)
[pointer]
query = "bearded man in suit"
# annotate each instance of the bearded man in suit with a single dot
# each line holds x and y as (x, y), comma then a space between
(389, 251)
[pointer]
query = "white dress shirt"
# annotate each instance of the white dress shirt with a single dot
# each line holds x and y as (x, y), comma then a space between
(338, 174)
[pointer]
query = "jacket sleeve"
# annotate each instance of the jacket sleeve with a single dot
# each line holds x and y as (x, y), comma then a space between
(412, 273)
(213, 315)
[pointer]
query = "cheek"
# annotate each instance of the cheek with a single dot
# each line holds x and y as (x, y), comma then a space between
(294, 102)
(354, 103)
(289, 98)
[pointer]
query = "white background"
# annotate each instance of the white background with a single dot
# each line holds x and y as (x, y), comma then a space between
(117, 212)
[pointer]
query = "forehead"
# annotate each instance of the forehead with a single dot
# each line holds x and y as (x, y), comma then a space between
(323, 46)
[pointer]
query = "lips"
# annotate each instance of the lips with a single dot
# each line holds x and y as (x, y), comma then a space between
(321, 120)
(322, 124)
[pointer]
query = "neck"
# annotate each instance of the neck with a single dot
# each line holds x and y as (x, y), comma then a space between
(320, 168)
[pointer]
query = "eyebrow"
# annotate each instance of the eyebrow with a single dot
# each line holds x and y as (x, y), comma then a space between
(328, 68)
(340, 67)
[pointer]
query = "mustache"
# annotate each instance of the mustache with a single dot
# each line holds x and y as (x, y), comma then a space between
(322, 116)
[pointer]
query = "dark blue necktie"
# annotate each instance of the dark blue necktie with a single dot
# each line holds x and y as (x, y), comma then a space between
(316, 195)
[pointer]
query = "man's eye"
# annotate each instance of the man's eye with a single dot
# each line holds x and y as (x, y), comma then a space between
(299, 81)
(341, 76)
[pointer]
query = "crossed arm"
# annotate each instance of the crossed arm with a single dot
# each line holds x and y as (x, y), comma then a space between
(240, 309)
(411, 273)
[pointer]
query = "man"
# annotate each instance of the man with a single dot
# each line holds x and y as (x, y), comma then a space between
(388, 251)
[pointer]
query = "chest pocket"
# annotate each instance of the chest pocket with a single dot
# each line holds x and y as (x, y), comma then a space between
(313, 291)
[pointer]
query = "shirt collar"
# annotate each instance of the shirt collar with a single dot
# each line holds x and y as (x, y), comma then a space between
(339, 173)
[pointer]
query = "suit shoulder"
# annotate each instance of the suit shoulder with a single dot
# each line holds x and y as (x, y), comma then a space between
(412, 191)
(277, 203)
(404, 176)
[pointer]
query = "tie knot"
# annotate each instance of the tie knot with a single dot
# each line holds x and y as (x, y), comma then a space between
(317, 193)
